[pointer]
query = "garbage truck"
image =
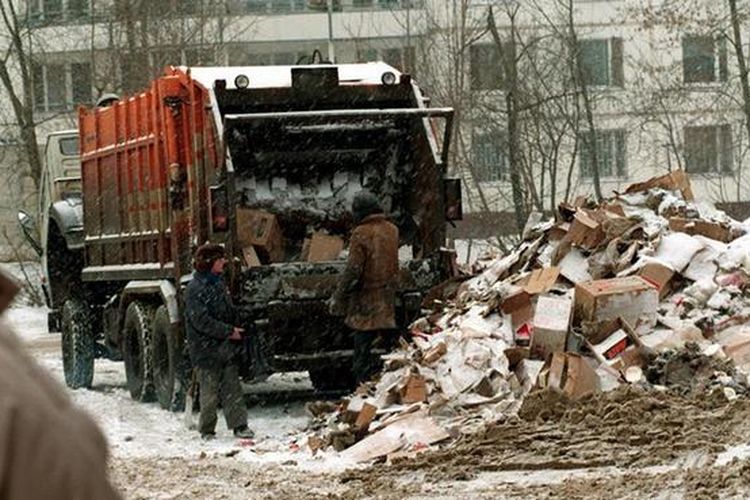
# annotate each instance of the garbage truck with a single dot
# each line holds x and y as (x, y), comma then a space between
(265, 161)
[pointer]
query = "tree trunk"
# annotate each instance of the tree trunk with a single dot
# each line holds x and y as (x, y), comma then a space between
(742, 64)
(580, 81)
(510, 66)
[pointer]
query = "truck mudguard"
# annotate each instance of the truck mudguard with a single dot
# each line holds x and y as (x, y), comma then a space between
(68, 215)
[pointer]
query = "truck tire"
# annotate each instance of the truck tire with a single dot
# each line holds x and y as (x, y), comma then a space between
(336, 378)
(136, 350)
(167, 363)
(78, 343)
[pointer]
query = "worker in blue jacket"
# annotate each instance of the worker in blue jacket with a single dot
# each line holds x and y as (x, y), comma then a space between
(215, 343)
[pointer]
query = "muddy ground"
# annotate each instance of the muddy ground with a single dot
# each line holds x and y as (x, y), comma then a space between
(630, 444)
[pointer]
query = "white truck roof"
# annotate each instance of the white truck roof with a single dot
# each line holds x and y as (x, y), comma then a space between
(281, 76)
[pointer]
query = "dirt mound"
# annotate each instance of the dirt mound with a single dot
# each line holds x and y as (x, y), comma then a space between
(629, 427)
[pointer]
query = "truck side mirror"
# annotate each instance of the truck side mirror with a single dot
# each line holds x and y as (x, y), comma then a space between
(29, 230)
(452, 196)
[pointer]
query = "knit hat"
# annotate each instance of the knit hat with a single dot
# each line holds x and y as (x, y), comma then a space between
(206, 255)
(365, 203)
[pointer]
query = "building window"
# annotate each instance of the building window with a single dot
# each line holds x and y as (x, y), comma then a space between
(486, 67)
(704, 59)
(81, 83)
(367, 55)
(708, 149)
(610, 150)
(55, 11)
(60, 87)
(489, 156)
(602, 62)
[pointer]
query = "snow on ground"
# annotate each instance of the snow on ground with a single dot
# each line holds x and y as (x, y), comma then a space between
(143, 430)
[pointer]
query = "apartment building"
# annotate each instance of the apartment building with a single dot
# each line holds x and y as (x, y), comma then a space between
(663, 95)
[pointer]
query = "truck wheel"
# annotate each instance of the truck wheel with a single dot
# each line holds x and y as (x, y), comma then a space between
(77, 344)
(167, 356)
(136, 350)
(338, 378)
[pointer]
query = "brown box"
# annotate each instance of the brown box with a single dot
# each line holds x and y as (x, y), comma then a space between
(599, 302)
(712, 230)
(414, 390)
(585, 232)
(521, 312)
(673, 181)
(324, 248)
(365, 416)
(542, 280)
(551, 325)
(434, 353)
(658, 275)
(558, 231)
(261, 229)
(570, 374)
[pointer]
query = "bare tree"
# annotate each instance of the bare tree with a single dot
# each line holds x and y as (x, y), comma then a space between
(15, 75)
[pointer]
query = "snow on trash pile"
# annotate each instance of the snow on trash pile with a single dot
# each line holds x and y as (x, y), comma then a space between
(638, 289)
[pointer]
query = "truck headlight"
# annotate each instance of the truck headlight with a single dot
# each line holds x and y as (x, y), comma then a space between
(388, 78)
(241, 81)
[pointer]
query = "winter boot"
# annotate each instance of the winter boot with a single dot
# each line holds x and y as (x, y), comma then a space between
(243, 432)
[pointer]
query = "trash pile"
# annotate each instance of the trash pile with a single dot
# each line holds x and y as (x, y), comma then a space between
(645, 288)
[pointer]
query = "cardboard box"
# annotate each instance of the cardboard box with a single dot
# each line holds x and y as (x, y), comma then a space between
(712, 230)
(585, 232)
(575, 267)
(414, 390)
(324, 247)
(518, 307)
(551, 324)
(434, 353)
(365, 416)
(570, 374)
(251, 257)
(600, 302)
(542, 280)
(558, 231)
(522, 334)
(612, 346)
(673, 181)
(659, 275)
(261, 229)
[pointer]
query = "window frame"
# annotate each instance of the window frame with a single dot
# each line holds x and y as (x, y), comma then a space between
(722, 143)
(480, 62)
(41, 88)
(616, 152)
(719, 60)
(498, 146)
(615, 61)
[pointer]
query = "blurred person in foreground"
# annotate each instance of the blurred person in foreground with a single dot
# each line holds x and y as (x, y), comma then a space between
(366, 293)
(48, 447)
(215, 343)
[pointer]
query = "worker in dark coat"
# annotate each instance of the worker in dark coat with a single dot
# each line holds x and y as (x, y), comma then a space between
(214, 341)
(366, 293)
